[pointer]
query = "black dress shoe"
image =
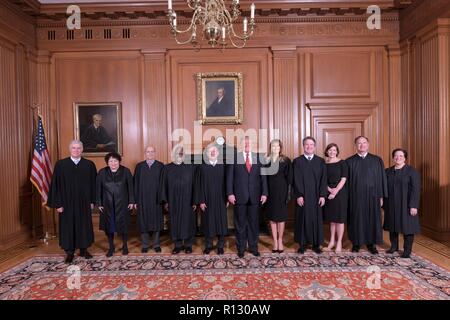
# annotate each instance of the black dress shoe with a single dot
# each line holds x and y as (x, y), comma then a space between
(405, 255)
(188, 250)
(392, 250)
(207, 251)
(317, 250)
(87, 255)
(355, 249)
(110, 253)
(241, 254)
(125, 251)
(144, 250)
(220, 251)
(176, 250)
(68, 259)
(372, 249)
(256, 253)
(301, 250)
(158, 249)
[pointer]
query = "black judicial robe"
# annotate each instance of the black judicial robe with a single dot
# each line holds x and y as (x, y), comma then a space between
(114, 193)
(146, 189)
(366, 185)
(73, 188)
(177, 184)
(212, 192)
(403, 193)
(310, 182)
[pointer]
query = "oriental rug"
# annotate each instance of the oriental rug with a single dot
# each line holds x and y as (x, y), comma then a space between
(344, 276)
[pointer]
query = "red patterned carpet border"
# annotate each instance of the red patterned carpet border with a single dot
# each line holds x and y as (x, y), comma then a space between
(344, 276)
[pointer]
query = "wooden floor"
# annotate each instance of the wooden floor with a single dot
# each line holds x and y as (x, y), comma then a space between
(429, 249)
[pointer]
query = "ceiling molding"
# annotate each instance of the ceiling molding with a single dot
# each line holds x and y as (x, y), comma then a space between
(154, 9)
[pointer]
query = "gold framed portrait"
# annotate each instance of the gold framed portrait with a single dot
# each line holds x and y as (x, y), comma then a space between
(219, 98)
(99, 126)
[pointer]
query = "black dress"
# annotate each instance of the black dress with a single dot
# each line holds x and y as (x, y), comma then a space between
(279, 186)
(336, 210)
(403, 194)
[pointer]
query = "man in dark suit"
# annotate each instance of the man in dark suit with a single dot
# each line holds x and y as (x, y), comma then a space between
(221, 106)
(246, 190)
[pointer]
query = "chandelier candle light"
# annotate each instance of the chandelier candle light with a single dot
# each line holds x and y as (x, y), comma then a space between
(216, 21)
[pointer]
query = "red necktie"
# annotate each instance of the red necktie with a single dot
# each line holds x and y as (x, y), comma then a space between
(248, 165)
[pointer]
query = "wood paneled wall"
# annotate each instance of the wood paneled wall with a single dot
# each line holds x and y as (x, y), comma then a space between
(425, 69)
(345, 97)
(18, 88)
(341, 94)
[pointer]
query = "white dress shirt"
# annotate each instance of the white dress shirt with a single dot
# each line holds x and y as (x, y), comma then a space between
(75, 160)
(310, 157)
(363, 155)
(249, 156)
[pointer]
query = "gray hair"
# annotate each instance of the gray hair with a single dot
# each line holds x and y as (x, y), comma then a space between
(75, 141)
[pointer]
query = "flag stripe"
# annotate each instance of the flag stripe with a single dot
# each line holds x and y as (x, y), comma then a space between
(41, 165)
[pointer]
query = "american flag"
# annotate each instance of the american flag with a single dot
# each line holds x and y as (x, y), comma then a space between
(41, 166)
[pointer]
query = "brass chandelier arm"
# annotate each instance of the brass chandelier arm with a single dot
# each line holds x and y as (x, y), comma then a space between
(216, 21)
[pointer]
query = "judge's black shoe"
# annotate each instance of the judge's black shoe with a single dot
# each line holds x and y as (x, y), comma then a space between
(207, 251)
(110, 252)
(301, 250)
(188, 250)
(86, 254)
(68, 259)
(256, 253)
(220, 251)
(125, 251)
(355, 249)
(317, 250)
(391, 250)
(158, 249)
(144, 250)
(176, 250)
(241, 254)
(405, 255)
(372, 249)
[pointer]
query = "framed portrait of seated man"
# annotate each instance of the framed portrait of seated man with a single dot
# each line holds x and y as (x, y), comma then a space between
(99, 126)
(219, 98)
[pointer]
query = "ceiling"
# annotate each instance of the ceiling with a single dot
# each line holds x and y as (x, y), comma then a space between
(149, 9)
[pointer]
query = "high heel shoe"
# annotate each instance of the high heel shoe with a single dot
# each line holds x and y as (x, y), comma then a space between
(280, 251)
(274, 251)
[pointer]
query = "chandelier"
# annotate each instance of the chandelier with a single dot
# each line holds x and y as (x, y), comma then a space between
(215, 21)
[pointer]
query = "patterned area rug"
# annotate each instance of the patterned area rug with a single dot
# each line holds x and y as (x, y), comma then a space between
(346, 276)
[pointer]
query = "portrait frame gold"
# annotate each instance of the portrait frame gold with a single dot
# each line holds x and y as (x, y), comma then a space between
(207, 86)
(111, 121)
